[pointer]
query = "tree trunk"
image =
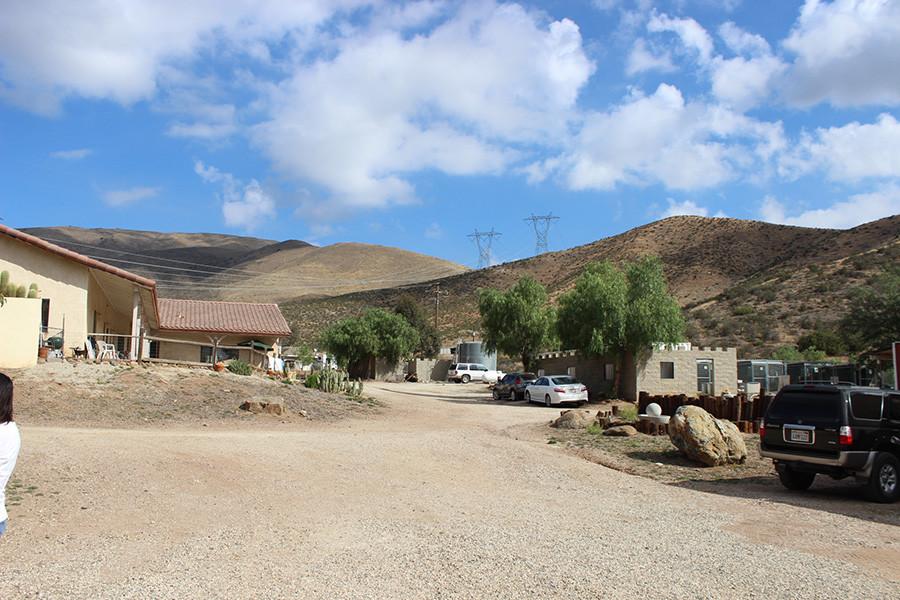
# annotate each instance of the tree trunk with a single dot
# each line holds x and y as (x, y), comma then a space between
(623, 358)
(526, 361)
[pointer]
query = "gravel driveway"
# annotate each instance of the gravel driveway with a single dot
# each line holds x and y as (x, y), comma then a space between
(444, 495)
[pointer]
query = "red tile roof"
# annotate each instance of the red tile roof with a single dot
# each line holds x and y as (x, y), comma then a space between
(222, 317)
(80, 258)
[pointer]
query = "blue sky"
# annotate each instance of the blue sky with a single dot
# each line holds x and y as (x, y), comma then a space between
(412, 124)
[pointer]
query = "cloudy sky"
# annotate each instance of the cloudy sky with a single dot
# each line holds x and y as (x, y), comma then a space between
(412, 124)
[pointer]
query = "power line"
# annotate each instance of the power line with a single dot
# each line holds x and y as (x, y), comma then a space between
(541, 225)
(484, 240)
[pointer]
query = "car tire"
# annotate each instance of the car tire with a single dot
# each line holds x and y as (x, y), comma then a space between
(795, 480)
(528, 397)
(884, 482)
(465, 379)
(518, 397)
(547, 401)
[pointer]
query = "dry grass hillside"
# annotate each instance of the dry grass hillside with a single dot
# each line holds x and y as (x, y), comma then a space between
(226, 267)
(749, 284)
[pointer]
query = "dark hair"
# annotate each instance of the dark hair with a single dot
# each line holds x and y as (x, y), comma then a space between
(6, 395)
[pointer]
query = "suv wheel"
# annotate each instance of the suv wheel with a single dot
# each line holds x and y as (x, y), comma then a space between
(465, 379)
(795, 480)
(496, 395)
(884, 482)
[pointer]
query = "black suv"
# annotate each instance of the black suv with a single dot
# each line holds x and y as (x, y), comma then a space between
(512, 386)
(836, 430)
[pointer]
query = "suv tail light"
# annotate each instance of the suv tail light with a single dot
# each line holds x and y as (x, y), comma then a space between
(762, 430)
(518, 381)
(845, 436)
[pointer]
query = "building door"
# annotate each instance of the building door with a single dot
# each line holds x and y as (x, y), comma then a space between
(705, 376)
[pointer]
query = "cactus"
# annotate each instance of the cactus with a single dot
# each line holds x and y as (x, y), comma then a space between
(33, 291)
(21, 292)
(4, 280)
(10, 291)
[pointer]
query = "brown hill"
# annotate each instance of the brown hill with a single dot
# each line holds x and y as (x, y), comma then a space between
(745, 283)
(227, 267)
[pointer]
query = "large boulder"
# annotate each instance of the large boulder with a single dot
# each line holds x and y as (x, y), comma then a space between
(705, 439)
(574, 419)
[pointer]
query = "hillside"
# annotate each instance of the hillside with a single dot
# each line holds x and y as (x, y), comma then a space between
(228, 267)
(748, 284)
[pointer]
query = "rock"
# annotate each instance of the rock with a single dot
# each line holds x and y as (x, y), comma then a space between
(254, 406)
(573, 419)
(620, 431)
(704, 439)
(274, 408)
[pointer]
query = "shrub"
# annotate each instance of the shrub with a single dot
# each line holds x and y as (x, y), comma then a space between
(740, 311)
(312, 381)
(239, 367)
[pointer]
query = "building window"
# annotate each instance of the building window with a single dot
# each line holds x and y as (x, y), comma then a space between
(154, 349)
(224, 354)
(666, 370)
(571, 371)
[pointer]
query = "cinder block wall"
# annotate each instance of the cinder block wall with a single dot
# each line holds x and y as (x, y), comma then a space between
(685, 382)
(589, 371)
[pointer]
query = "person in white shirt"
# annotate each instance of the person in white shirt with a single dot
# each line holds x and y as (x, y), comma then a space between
(9, 444)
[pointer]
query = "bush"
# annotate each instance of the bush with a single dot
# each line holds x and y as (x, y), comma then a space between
(740, 311)
(312, 381)
(239, 367)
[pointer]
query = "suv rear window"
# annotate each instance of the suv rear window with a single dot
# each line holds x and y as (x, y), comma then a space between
(866, 406)
(806, 405)
(453, 367)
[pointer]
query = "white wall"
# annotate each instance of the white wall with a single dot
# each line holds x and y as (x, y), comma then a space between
(20, 330)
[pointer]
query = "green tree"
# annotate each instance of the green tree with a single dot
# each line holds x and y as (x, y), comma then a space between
(874, 317)
(377, 333)
(788, 354)
(620, 312)
(827, 340)
(429, 339)
(518, 322)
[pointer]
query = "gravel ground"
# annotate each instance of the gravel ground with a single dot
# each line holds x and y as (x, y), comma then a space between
(446, 495)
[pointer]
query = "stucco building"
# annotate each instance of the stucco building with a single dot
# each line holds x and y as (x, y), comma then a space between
(667, 369)
(82, 299)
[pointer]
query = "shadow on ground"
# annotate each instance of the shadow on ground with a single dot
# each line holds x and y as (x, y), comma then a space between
(844, 497)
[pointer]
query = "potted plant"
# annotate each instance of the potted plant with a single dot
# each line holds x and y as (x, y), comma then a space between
(219, 366)
(43, 352)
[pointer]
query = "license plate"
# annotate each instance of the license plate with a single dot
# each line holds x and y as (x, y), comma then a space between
(800, 435)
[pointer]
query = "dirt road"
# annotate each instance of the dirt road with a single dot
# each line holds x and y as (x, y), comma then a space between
(444, 495)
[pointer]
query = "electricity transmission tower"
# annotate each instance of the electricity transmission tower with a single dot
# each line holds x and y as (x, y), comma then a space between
(484, 240)
(541, 224)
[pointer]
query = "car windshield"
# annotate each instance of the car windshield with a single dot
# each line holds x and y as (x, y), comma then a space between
(564, 380)
(806, 405)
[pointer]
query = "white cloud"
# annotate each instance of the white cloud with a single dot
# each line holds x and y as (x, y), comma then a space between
(245, 206)
(856, 210)
(692, 35)
(458, 99)
(685, 207)
(848, 153)
(847, 53)
(641, 59)
(434, 232)
(127, 196)
(53, 49)
(660, 138)
(75, 154)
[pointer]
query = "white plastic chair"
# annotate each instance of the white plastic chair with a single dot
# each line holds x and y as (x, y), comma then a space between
(105, 350)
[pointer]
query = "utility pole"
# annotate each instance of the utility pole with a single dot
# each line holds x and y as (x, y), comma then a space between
(438, 292)
(484, 240)
(541, 224)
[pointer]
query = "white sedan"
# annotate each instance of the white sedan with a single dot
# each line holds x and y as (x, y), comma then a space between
(556, 389)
